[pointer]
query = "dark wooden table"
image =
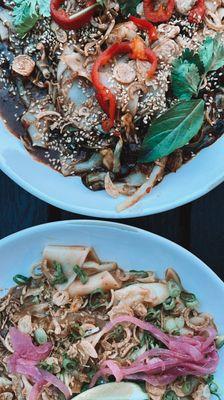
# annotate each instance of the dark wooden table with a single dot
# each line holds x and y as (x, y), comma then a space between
(199, 226)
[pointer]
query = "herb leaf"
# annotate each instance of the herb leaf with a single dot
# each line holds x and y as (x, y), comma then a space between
(81, 274)
(172, 130)
(212, 53)
(59, 276)
(27, 12)
(128, 7)
(185, 79)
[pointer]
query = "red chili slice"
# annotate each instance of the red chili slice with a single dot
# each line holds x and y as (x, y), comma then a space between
(105, 97)
(197, 14)
(76, 21)
(162, 14)
(146, 26)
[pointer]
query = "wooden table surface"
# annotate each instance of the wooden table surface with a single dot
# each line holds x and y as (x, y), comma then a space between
(198, 226)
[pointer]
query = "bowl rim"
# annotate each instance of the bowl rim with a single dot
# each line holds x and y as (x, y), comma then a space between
(109, 214)
(122, 227)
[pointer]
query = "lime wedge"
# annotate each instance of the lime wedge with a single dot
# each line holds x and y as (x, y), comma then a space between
(114, 391)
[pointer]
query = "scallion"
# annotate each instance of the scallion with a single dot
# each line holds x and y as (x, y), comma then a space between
(59, 276)
(95, 297)
(219, 342)
(189, 299)
(190, 385)
(81, 274)
(21, 279)
(174, 288)
(141, 274)
(169, 304)
(170, 395)
(69, 365)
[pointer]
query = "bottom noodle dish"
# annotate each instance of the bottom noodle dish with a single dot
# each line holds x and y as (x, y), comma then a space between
(86, 329)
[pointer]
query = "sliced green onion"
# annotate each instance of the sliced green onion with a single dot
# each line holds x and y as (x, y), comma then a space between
(78, 332)
(169, 304)
(172, 325)
(81, 274)
(174, 288)
(59, 276)
(213, 387)
(69, 365)
(117, 334)
(189, 299)
(40, 335)
(170, 395)
(190, 385)
(219, 342)
(47, 367)
(152, 314)
(94, 303)
(21, 280)
(142, 274)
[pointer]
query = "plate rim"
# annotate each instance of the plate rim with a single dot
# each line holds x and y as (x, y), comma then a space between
(109, 214)
(115, 225)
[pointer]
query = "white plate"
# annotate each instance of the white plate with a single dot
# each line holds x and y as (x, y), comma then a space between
(132, 248)
(191, 181)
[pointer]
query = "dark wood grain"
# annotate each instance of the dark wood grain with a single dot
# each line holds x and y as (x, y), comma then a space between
(199, 226)
(207, 229)
(18, 208)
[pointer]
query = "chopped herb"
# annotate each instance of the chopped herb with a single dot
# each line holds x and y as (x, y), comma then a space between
(219, 342)
(27, 12)
(149, 341)
(169, 304)
(40, 336)
(77, 332)
(129, 7)
(82, 275)
(213, 387)
(211, 53)
(189, 299)
(97, 299)
(174, 288)
(185, 79)
(141, 274)
(190, 384)
(59, 276)
(69, 365)
(21, 279)
(170, 395)
(153, 314)
(47, 367)
(118, 333)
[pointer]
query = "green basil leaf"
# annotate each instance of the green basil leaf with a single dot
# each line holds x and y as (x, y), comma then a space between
(172, 130)
(44, 8)
(128, 7)
(185, 79)
(194, 58)
(27, 12)
(212, 53)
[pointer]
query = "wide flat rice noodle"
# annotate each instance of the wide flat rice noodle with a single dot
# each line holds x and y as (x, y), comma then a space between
(103, 280)
(68, 257)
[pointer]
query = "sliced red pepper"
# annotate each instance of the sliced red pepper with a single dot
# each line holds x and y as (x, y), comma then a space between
(197, 14)
(76, 21)
(162, 14)
(107, 100)
(146, 26)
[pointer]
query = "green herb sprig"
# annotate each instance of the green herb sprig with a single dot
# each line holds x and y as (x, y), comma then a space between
(27, 12)
(81, 274)
(59, 276)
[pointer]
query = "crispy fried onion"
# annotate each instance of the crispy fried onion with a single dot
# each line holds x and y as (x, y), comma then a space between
(155, 176)
(196, 321)
(214, 20)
